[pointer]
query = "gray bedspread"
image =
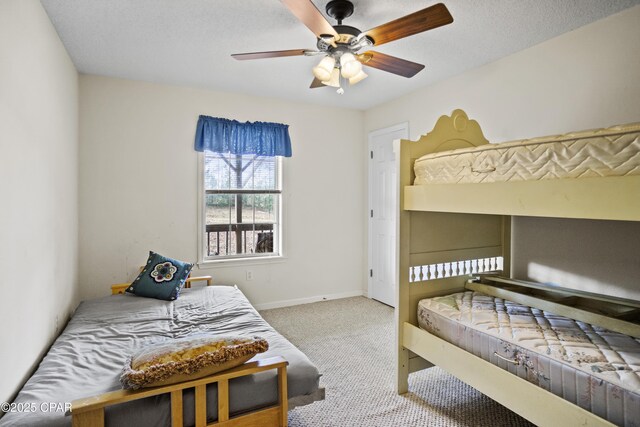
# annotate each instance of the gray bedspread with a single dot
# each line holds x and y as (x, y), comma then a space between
(87, 358)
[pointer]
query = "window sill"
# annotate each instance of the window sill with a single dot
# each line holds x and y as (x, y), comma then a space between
(231, 262)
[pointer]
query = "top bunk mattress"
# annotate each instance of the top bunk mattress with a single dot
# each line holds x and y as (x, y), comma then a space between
(610, 152)
(592, 367)
(87, 358)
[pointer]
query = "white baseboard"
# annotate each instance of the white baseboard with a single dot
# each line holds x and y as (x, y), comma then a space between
(298, 301)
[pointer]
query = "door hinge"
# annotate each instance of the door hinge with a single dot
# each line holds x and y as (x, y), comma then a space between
(371, 213)
(372, 154)
(371, 273)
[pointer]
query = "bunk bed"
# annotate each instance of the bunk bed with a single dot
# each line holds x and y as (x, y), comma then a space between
(458, 194)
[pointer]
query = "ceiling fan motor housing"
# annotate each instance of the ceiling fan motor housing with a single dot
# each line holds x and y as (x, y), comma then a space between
(339, 9)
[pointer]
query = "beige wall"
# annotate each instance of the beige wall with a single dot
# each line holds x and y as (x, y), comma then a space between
(39, 188)
(583, 79)
(139, 180)
(594, 256)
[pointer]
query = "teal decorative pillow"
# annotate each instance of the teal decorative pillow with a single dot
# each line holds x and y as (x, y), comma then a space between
(161, 278)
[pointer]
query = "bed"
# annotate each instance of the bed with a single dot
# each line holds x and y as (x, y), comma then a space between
(458, 225)
(104, 331)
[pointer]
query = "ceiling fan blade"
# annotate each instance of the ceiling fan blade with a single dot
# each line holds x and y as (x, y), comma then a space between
(270, 54)
(391, 64)
(426, 19)
(310, 16)
(316, 83)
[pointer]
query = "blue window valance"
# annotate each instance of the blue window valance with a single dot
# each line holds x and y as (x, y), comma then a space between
(230, 136)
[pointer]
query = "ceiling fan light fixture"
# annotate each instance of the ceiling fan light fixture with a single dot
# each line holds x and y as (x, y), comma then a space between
(334, 79)
(344, 41)
(358, 77)
(350, 65)
(324, 69)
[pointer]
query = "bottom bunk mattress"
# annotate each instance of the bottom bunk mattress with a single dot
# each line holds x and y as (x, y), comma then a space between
(594, 368)
(87, 359)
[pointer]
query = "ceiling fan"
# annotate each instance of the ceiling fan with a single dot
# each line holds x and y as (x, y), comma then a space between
(340, 45)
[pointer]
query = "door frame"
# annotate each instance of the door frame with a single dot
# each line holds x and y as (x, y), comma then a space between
(403, 126)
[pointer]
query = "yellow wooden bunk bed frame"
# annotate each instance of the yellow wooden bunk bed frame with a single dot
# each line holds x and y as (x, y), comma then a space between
(448, 231)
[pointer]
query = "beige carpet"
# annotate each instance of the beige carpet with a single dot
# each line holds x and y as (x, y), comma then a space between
(351, 342)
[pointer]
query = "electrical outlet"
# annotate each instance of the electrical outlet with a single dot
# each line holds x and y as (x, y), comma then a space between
(249, 275)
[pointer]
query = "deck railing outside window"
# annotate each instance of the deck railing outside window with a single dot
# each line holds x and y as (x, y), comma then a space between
(254, 238)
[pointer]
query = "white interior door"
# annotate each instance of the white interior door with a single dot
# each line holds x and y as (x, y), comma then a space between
(383, 183)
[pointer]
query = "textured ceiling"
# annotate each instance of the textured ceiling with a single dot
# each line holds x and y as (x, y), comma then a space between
(189, 42)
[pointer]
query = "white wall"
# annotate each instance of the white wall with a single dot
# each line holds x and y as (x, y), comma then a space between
(138, 188)
(38, 186)
(580, 80)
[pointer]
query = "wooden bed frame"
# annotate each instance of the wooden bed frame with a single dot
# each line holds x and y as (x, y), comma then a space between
(447, 232)
(120, 288)
(89, 412)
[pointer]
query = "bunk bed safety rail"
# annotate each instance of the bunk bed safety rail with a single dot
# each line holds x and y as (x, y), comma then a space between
(423, 273)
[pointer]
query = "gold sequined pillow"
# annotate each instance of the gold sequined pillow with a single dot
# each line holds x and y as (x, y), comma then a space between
(187, 359)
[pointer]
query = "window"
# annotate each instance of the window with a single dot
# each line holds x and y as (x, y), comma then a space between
(242, 202)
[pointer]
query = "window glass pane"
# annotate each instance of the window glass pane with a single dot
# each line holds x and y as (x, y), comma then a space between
(240, 172)
(259, 208)
(263, 241)
(220, 243)
(220, 208)
(248, 208)
(260, 174)
(217, 174)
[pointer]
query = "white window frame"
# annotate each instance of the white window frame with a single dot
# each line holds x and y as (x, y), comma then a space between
(251, 258)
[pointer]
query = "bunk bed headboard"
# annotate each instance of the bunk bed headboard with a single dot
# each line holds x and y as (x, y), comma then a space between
(440, 244)
(449, 133)
(436, 251)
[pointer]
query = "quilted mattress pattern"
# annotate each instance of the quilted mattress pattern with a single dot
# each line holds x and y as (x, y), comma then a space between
(594, 368)
(609, 152)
